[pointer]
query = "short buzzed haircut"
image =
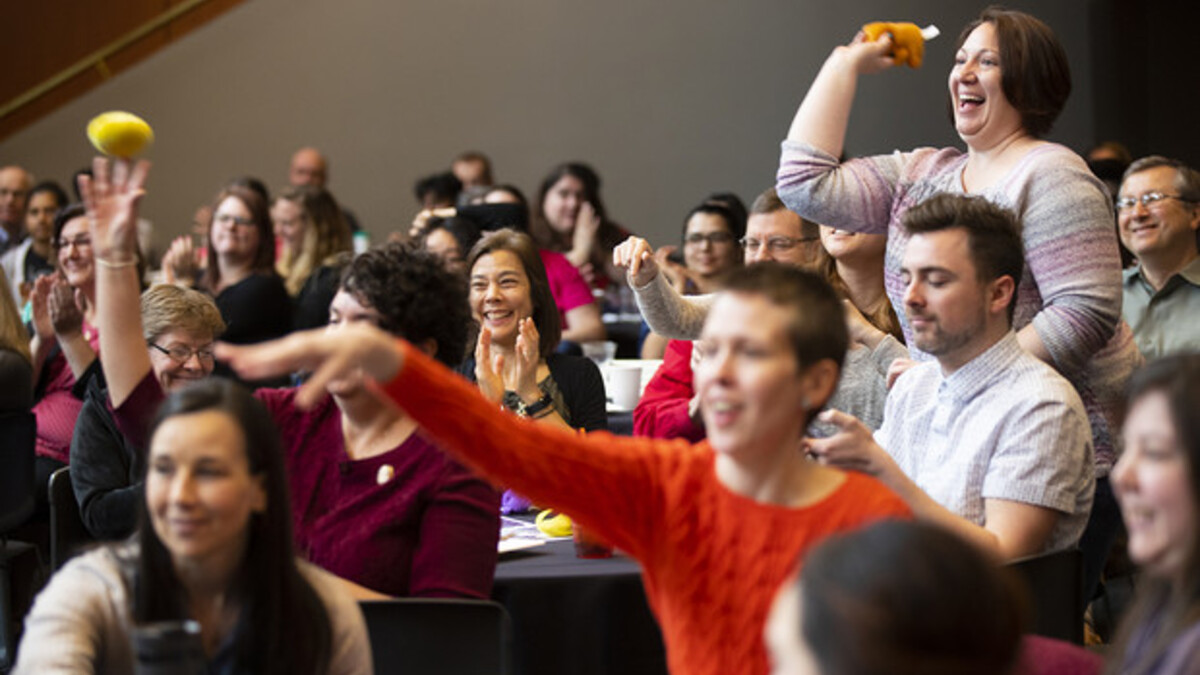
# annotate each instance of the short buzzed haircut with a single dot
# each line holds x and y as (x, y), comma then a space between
(817, 329)
(993, 234)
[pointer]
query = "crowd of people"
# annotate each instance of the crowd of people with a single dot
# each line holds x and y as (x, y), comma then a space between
(885, 379)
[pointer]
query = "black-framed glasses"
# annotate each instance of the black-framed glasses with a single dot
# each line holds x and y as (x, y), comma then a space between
(180, 354)
(1126, 203)
(775, 244)
(714, 238)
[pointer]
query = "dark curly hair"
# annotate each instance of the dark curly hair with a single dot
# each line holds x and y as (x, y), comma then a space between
(417, 298)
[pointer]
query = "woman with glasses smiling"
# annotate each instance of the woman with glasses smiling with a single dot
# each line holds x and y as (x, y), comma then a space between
(180, 326)
(240, 275)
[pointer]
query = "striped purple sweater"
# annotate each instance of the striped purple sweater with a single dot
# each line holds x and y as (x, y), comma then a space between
(1071, 289)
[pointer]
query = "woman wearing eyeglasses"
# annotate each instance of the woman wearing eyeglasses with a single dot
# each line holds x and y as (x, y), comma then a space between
(1009, 81)
(241, 276)
(712, 234)
(180, 326)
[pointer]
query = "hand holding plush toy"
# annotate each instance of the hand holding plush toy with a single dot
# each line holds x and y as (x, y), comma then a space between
(908, 40)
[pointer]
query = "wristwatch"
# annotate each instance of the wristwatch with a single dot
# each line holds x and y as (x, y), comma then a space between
(534, 408)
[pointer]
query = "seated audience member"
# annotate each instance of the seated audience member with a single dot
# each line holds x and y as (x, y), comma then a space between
(374, 501)
(987, 440)
(712, 234)
(473, 169)
(718, 526)
(515, 359)
(316, 245)
(34, 257)
(450, 240)
(16, 368)
(240, 274)
(1158, 211)
(571, 219)
(215, 549)
(436, 191)
(310, 168)
(898, 598)
(503, 206)
(65, 338)
(14, 191)
(1157, 483)
(179, 326)
(668, 407)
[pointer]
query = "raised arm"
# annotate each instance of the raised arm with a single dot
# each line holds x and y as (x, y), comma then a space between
(823, 115)
(112, 198)
(666, 311)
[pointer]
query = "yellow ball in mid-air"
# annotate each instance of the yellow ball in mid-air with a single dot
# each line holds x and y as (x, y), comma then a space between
(119, 134)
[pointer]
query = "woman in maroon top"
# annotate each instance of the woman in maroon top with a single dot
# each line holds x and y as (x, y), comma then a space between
(373, 500)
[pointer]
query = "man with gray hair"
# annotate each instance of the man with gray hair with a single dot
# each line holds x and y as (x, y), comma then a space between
(1158, 214)
(14, 191)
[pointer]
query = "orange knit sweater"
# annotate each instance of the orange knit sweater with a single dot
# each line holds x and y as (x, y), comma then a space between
(711, 559)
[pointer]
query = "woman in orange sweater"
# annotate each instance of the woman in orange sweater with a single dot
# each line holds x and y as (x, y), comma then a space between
(717, 526)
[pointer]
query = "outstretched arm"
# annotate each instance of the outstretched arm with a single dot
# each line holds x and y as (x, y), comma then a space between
(112, 196)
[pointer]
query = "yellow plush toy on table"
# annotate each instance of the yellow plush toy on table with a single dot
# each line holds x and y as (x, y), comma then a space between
(908, 40)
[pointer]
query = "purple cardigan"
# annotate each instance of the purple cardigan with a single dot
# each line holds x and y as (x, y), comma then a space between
(430, 529)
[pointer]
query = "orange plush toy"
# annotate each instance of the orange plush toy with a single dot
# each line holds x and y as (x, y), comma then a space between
(908, 41)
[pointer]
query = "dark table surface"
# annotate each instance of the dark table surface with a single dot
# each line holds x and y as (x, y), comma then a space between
(577, 616)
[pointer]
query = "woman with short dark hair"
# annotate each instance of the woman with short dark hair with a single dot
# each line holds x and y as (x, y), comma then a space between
(1009, 81)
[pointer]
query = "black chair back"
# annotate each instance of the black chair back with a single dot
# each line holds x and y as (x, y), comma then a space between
(434, 636)
(68, 534)
(1055, 582)
(18, 433)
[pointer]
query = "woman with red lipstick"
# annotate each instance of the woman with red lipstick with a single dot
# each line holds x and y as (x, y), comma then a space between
(1157, 482)
(1009, 81)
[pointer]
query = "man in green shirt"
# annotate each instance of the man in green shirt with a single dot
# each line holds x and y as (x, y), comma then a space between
(1158, 212)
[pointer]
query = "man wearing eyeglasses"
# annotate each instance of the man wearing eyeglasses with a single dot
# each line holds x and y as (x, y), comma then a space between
(14, 190)
(1158, 213)
(775, 233)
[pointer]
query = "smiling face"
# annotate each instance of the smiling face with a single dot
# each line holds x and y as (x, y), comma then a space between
(983, 115)
(171, 373)
(233, 234)
(1167, 226)
(752, 395)
(199, 489)
(1152, 485)
(852, 247)
(75, 253)
(562, 203)
(500, 295)
(290, 223)
(708, 246)
(943, 297)
(39, 218)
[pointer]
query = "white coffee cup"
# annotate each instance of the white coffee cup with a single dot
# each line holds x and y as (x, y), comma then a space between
(625, 386)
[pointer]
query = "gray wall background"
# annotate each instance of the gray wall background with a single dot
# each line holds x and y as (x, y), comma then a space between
(668, 99)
